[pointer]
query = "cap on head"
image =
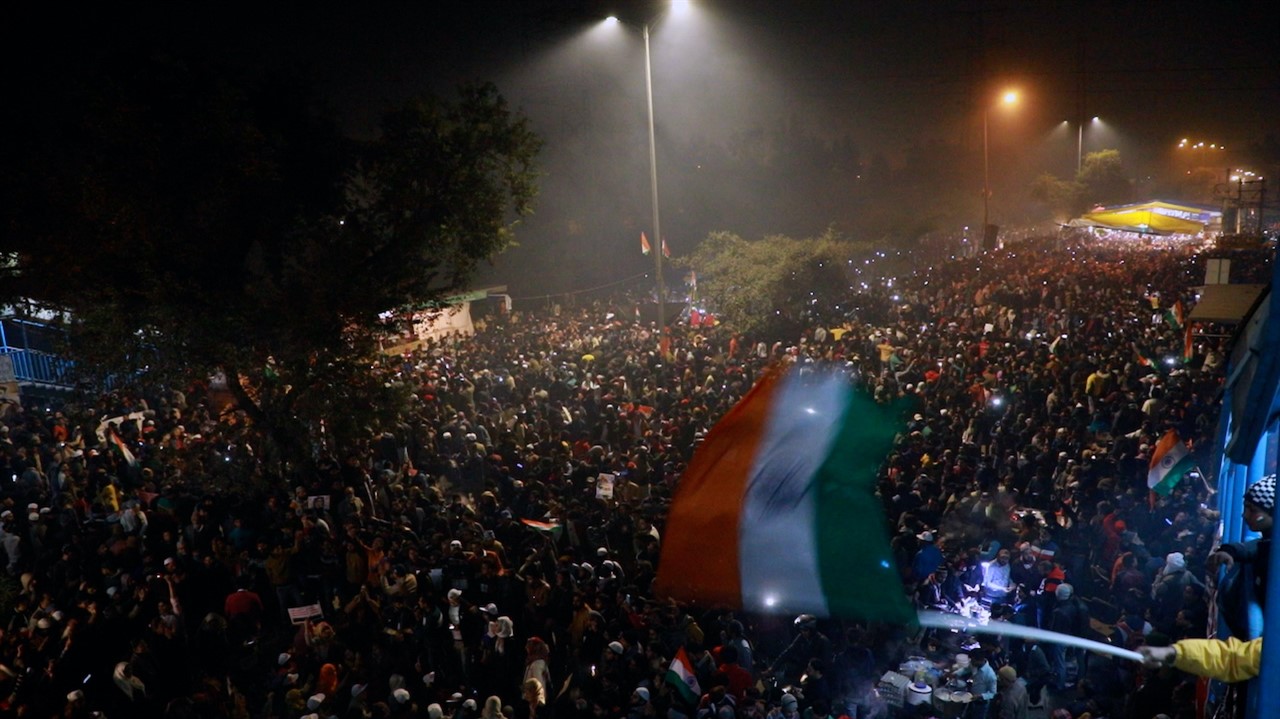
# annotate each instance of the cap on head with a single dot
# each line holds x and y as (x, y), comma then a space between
(1262, 494)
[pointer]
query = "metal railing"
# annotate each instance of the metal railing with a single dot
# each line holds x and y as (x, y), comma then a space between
(39, 367)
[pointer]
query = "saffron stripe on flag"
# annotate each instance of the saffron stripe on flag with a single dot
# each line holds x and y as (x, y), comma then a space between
(1169, 462)
(699, 560)
(681, 675)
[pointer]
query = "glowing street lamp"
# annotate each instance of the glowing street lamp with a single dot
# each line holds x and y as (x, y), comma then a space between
(1010, 97)
(677, 5)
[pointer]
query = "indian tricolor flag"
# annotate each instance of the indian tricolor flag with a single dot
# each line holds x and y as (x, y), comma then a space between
(681, 677)
(1142, 358)
(1169, 462)
(777, 511)
(552, 528)
(644, 245)
(1175, 315)
(118, 442)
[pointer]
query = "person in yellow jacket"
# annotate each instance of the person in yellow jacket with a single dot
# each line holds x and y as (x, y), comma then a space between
(1229, 661)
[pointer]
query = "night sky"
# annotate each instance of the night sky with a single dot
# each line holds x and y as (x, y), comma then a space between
(890, 79)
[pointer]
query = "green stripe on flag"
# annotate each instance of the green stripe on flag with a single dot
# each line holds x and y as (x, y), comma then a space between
(858, 573)
(675, 680)
(1174, 475)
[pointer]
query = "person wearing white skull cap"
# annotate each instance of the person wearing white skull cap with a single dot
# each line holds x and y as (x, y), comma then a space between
(1241, 567)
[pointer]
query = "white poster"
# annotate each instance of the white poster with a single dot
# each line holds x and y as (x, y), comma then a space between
(604, 486)
(300, 615)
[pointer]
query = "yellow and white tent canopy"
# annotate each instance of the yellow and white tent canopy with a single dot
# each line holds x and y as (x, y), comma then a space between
(1153, 218)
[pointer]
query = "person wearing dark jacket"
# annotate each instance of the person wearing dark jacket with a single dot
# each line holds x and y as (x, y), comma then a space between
(1070, 616)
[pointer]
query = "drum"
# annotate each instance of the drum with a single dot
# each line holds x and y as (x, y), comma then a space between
(953, 705)
(919, 693)
(946, 708)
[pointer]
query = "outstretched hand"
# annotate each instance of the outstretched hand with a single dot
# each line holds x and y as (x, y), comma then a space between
(1218, 559)
(1157, 657)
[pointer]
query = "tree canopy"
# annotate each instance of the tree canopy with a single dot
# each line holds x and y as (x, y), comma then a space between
(777, 285)
(1100, 181)
(188, 220)
(1103, 178)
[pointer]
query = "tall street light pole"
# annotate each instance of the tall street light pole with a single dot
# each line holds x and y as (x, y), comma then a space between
(1008, 98)
(658, 245)
(986, 180)
(1080, 145)
(1079, 149)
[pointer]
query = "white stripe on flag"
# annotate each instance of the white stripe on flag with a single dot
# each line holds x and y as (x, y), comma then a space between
(1165, 463)
(778, 552)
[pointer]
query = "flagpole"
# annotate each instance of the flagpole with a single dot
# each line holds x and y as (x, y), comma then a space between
(940, 620)
(653, 189)
(1204, 480)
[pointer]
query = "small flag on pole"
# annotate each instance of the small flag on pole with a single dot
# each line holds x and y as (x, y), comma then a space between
(1169, 462)
(1142, 359)
(122, 447)
(666, 251)
(1173, 315)
(644, 245)
(680, 675)
(552, 528)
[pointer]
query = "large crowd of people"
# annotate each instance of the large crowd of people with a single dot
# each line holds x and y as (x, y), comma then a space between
(492, 554)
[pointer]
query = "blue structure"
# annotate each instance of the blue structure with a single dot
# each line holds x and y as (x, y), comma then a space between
(1247, 440)
(32, 350)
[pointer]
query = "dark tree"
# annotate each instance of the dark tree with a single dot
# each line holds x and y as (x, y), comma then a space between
(188, 220)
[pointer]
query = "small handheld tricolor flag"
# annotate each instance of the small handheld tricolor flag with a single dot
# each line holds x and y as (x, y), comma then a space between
(550, 528)
(644, 245)
(1174, 315)
(777, 511)
(666, 251)
(1142, 359)
(681, 677)
(1188, 345)
(1169, 462)
(122, 447)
